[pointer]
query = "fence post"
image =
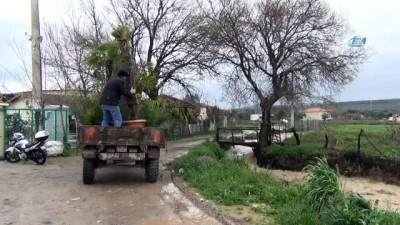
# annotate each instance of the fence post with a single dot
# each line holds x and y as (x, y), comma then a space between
(359, 142)
(2, 131)
(326, 141)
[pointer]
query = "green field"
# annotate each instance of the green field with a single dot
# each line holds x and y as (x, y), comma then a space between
(378, 140)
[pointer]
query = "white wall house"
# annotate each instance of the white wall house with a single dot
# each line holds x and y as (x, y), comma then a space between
(20, 102)
(202, 114)
(255, 117)
(394, 118)
(56, 116)
(316, 113)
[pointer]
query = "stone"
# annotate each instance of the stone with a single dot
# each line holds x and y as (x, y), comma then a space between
(54, 148)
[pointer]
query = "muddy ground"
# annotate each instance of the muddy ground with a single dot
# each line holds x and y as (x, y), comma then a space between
(54, 194)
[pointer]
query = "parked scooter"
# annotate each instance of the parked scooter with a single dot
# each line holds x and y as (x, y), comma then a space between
(20, 148)
(15, 138)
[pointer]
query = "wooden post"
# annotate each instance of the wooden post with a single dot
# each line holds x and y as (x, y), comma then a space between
(359, 142)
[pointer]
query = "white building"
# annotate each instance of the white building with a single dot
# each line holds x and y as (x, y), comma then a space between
(255, 117)
(317, 113)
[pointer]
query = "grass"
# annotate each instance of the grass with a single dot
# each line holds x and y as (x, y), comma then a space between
(232, 182)
(72, 152)
(322, 183)
(220, 178)
(248, 124)
(178, 136)
(344, 137)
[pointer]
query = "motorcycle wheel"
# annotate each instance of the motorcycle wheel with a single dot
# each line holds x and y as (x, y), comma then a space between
(39, 157)
(12, 157)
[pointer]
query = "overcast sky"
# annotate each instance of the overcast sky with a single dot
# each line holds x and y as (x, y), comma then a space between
(378, 21)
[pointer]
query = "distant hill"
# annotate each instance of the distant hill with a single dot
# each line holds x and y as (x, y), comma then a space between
(363, 105)
(382, 104)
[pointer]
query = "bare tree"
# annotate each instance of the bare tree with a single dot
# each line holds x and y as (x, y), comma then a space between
(67, 47)
(22, 75)
(274, 49)
(166, 46)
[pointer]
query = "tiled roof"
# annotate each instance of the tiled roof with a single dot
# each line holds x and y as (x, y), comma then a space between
(316, 109)
(196, 108)
(177, 102)
(51, 98)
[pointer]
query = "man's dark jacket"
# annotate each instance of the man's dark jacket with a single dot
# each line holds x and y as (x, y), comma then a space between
(115, 87)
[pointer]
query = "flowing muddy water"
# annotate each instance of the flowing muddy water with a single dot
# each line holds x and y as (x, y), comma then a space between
(385, 196)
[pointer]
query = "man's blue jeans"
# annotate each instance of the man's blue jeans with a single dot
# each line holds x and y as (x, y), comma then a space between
(111, 112)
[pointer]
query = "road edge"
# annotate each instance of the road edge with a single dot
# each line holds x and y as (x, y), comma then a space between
(206, 206)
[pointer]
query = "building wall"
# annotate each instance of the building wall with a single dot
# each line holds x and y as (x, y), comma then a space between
(202, 114)
(255, 117)
(316, 115)
(20, 104)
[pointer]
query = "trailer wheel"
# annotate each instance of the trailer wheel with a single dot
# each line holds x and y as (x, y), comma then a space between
(151, 170)
(88, 171)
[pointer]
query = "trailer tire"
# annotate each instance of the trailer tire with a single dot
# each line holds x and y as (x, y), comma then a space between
(88, 171)
(151, 170)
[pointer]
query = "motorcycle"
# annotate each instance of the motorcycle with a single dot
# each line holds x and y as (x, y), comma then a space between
(20, 148)
(15, 138)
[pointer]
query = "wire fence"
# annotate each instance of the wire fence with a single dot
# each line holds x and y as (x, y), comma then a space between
(181, 129)
(377, 142)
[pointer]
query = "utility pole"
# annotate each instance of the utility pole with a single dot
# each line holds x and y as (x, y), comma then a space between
(36, 55)
(36, 66)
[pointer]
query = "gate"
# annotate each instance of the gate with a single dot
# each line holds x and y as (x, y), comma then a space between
(29, 121)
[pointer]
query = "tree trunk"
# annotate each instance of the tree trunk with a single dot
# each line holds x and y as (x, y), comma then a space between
(265, 131)
(153, 94)
(131, 81)
(133, 115)
(109, 66)
(127, 59)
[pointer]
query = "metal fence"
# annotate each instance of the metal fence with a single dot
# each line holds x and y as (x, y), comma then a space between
(182, 129)
(308, 125)
(29, 121)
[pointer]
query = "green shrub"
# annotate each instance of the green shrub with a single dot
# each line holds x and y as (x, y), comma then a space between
(322, 183)
(352, 210)
(154, 112)
(90, 113)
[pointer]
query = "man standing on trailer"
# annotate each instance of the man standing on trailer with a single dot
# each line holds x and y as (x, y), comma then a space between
(111, 95)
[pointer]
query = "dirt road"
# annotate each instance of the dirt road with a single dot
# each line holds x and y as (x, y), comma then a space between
(54, 194)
